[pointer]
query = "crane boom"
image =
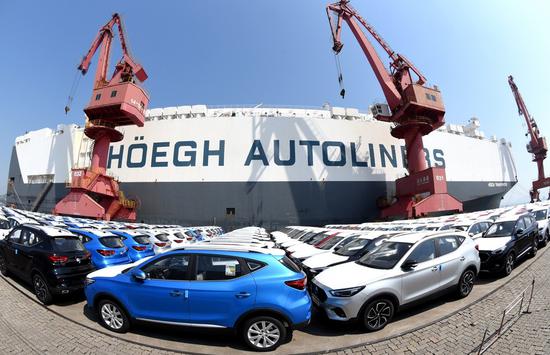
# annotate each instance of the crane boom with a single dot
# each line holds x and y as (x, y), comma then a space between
(537, 144)
(416, 110)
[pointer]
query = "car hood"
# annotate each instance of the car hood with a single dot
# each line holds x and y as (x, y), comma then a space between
(307, 252)
(490, 244)
(111, 271)
(350, 275)
(324, 260)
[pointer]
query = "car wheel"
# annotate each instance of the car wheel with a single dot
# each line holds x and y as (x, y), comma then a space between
(544, 240)
(466, 283)
(263, 333)
(509, 264)
(112, 316)
(3, 266)
(41, 289)
(378, 314)
(534, 249)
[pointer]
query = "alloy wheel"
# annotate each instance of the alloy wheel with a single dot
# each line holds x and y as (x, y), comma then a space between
(40, 289)
(263, 334)
(509, 264)
(467, 283)
(379, 315)
(112, 316)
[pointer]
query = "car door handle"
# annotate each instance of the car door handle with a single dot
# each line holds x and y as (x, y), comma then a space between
(175, 293)
(242, 295)
(435, 268)
(462, 258)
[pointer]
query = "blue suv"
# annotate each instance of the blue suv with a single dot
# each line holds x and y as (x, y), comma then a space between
(106, 248)
(137, 243)
(262, 296)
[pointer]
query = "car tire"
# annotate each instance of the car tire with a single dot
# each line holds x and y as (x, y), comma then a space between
(112, 316)
(544, 240)
(41, 289)
(263, 333)
(4, 266)
(466, 283)
(377, 314)
(509, 263)
(534, 249)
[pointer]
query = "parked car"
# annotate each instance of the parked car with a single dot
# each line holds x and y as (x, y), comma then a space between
(542, 215)
(53, 260)
(159, 239)
(401, 270)
(106, 248)
(506, 241)
(5, 226)
(138, 244)
(260, 295)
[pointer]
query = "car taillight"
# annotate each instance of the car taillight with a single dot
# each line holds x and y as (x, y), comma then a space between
(106, 252)
(58, 259)
(189, 238)
(297, 284)
(477, 247)
(86, 255)
(139, 248)
(160, 244)
(178, 240)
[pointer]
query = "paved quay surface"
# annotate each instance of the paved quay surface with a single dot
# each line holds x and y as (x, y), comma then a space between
(28, 328)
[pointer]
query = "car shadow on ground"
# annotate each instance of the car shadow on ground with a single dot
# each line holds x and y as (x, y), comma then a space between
(221, 338)
(59, 300)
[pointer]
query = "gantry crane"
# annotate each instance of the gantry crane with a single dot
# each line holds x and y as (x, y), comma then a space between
(537, 144)
(118, 101)
(416, 111)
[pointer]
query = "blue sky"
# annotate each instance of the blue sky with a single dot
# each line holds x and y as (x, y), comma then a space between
(278, 52)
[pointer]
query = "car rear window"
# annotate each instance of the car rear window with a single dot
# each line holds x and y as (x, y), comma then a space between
(142, 239)
(163, 237)
(67, 244)
(289, 264)
(112, 242)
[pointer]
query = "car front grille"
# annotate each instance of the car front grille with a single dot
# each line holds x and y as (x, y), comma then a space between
(484, 256)
(318, 292)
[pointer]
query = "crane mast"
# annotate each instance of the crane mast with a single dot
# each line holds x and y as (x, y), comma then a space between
(537, 144)
(115, 102)
(416, 111)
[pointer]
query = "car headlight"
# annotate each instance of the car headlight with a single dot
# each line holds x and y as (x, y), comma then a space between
(499, 250)
(89, 281)
(347, 292)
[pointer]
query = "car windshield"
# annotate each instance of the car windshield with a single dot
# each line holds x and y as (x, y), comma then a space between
(353, 247)
(461, 227)
(330, 243)
(446, 227)
(386, 256)
(112, 242)
(67, 244)
(500, 229)
(317, 239)
(163, 237)
(540, 215)
(141, 239)
(179, 235)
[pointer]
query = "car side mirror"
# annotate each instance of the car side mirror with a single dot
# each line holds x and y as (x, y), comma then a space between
(409, 265)
(471, 234)
(138, 275)
(519, 231)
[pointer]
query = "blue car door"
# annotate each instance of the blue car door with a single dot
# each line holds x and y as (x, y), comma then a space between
(220, 291)
(162, 296)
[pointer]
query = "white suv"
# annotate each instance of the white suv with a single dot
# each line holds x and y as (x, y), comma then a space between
(402, 269)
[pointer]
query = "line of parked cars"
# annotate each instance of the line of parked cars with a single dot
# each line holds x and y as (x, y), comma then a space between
(263, 285)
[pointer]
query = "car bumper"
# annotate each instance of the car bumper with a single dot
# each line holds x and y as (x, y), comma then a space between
(493, 263)
(336, 308)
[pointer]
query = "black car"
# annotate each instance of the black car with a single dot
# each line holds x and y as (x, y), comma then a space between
(52, 259)
(507, 240)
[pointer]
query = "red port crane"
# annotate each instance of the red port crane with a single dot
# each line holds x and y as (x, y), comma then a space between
(416, 111)
(115, 102)
(537, 144)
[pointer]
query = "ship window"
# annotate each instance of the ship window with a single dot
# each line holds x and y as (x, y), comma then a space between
(428, 96)
(230, 211)
(433, 97)
(113, 93)
(97, 97)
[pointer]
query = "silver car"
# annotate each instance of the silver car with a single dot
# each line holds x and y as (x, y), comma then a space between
(402, 269)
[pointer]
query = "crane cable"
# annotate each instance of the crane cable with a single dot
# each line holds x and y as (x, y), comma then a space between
(74, 87)
(340, 76)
